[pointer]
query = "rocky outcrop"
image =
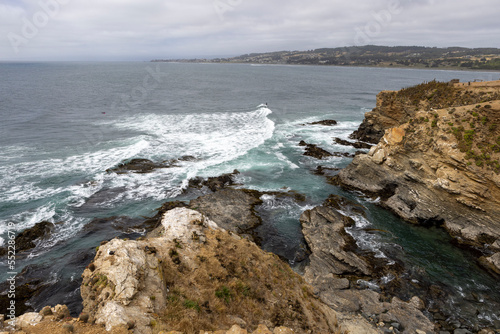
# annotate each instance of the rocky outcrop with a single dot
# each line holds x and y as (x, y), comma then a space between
(389, 112)
(327, 122)
(335, 268)
(356, 144)
(214, 183)
(231, 209)
(29, 238)
(441, 167)
(315, 151)
(397, 107)
(190, 275)
(146, 166)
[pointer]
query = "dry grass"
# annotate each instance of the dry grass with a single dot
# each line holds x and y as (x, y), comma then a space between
(438, 95)
(234, 280)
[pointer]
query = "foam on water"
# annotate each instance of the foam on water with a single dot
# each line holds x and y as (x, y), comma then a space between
(22, 174)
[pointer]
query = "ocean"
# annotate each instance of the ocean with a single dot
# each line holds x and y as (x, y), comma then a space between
(64, 124)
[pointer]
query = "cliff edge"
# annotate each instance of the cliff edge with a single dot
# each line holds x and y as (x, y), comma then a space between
(436, 160)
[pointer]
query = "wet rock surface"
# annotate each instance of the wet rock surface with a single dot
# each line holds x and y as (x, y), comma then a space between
(29, 238)
(314, 151)
(326, 122)
(145, 165)
(214, 183)
(356, 144)
(337, 267)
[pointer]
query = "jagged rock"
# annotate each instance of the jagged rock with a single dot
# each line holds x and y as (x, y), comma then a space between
(45, 311)
(315, 151)
(332, 258)
(27, 239)
(214, 183)
(145, 165)
(492, 263)
(356, 144)
(327, 122)
(427, 173)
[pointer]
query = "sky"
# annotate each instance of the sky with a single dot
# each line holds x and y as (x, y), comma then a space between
(142, 30)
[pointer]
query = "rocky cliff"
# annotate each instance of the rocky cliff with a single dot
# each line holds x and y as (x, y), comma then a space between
(190, 275)
(436, 160)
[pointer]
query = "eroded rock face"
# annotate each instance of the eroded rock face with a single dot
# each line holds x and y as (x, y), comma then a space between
(388, 113)
(428, 170)
(331, 261)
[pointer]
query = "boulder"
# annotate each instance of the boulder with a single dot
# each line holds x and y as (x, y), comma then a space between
(27, 320)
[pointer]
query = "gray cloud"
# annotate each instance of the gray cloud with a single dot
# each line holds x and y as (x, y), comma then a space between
(133, 30)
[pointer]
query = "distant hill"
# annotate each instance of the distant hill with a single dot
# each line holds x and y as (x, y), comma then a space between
(373, 55)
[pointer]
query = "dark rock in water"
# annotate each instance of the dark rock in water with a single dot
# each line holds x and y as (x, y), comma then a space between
(145, 165)
(115, 223)
(214, 183)
(327, 122)
(231, 209)
(337, 266)
(27, 239)
(138, 166)
(315, 151)
(356, 144)
(329, 171)
(28, 284)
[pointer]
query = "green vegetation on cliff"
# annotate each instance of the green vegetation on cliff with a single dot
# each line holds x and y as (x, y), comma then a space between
(374, 55)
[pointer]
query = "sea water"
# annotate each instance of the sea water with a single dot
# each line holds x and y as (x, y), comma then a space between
(64, 124)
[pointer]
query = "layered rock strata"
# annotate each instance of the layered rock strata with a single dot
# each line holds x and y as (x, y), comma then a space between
(437, 166)
(334, 271)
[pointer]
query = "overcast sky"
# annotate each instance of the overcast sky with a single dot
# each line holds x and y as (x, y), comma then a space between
(150, 29)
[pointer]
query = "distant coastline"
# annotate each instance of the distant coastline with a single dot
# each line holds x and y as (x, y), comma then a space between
(453, 58)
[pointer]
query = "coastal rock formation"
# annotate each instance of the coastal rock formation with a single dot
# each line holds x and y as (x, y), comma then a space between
(327, 122)
(395, 108)
(334, 270)
(145, 166)
(315, 151)
(231, 209)
(441, 166)
(29, 238)
(356, 144)
(214, 183)
(191, 275)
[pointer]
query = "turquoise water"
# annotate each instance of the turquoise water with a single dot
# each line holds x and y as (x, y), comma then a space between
(64, 124)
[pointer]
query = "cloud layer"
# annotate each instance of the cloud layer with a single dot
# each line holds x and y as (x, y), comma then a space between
(147, 29)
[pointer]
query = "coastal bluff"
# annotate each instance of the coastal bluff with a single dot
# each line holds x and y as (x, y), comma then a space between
(436, 160)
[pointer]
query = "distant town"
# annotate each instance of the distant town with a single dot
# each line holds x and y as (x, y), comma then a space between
(372, 55)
